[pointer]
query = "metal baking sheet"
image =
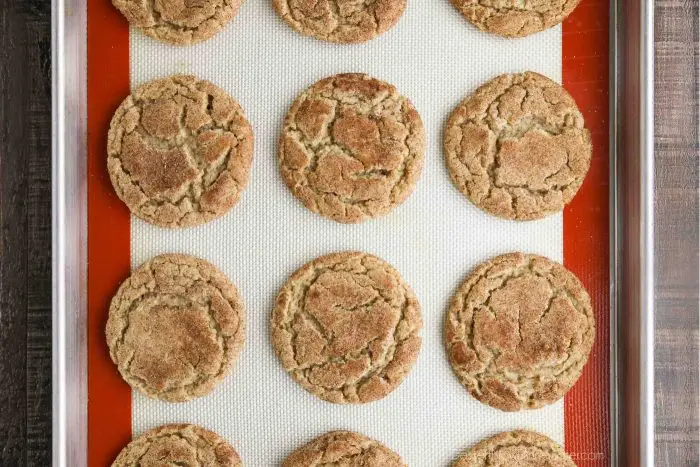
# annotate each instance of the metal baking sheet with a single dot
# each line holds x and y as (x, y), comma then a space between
(630, 234)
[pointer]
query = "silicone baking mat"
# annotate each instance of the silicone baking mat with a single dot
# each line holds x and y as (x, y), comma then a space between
(435, 58)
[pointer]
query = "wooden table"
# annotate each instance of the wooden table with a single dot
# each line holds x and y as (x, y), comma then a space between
(25, 234)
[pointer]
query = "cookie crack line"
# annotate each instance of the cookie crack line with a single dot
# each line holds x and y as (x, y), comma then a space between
(514, 7)
(504, 284)
(502, 136)
(401, 331)
(229, 343)
(487, 451)
(517, 19)
(178, 444)
(195, 448)
(195, 26)
(352, 355)
(332, 23)
(161, 203)
(393, 184)
(483, 184)
(199, 381)
(183, 128)
(571, 365)
(346, 448)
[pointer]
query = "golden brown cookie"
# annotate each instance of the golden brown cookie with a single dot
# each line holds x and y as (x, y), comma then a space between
(175, 327)
(178, 151)
(521, 448)
(343, 448)
(184, 445)
(517, 147)
(347, 327)
(515, 19)
(351, 148)
(179, 21)
(518, 331)
(341, 20)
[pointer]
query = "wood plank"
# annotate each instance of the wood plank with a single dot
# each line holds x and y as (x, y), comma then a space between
(676, 232)
(25, 235)
(37, 16)
(13, 244)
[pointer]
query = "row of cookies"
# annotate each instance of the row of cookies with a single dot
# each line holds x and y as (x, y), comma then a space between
(179, 149)
(192, 444)
(339, 21)
(347, 327)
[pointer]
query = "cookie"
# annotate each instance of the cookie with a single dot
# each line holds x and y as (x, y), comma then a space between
(517, 147)
(515, 19)
(347, 327)
(518, 331)
(178, 152)
(521, 448)
(186, 445)
(351, 148)
(341, 20)
(343, 448)
(175, 327)
(179, 22)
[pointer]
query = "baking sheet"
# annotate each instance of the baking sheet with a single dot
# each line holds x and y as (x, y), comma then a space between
(435, 58)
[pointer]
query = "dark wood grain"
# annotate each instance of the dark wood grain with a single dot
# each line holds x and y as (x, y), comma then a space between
(25, 236)
(25, 233)
(676, 232)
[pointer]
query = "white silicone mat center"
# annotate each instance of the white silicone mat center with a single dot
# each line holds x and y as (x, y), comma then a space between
(435, 58)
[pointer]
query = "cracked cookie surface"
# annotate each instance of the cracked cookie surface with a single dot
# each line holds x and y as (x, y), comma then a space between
(175, 327)
(518, 331)
(179, 21)
(178, 151)
(347, 327)
(511, 18)
(351, 148)
(343, 448)
(346, 21)
(521, 448)
(183, 445)
(517, 147)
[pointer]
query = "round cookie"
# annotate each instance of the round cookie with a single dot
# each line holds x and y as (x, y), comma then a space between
(175, 327)
(518, 331)
(178, 152)
(517, 147)
(521, 448)
(347, 327)
(351, 148)
(343, 448)
(179, 22)
(186, 445)
(506, 19)
(341, 20)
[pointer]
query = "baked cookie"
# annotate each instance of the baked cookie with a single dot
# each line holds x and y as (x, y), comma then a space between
(185, 445)
(178, 151)
(521, 448)
(341, 20)
(351, 148)
(175, 327)
(347, 327)
(343, 448)
(515, 19)
(519, 331)
(179, 22)
(517, 147)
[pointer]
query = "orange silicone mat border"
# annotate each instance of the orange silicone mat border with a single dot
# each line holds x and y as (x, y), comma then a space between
(109, 397)
(586, 248)
(585, 74)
